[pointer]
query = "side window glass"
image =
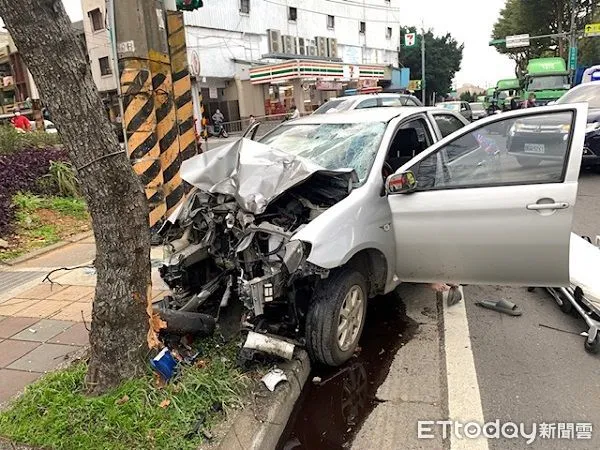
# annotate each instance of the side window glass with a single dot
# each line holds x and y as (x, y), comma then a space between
(392, 101)
(525, 150)
(410, 102)
(370, 103)
(447, 124)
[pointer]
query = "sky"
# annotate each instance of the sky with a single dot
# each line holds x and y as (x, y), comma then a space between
(469, 21)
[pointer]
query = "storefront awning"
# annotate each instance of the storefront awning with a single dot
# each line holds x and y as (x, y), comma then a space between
(315, 69)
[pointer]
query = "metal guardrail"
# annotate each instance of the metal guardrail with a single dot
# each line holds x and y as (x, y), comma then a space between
(267, 124)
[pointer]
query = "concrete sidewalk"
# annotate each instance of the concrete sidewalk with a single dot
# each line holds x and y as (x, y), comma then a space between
(43, 325)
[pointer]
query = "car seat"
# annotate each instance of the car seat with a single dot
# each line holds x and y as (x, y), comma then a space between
(405, 145)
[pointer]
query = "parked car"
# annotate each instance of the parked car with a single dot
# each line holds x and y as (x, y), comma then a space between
(529, 154)
(305, 225)
(590, 93)
(478, 111)
(461, 107)
(351, 102)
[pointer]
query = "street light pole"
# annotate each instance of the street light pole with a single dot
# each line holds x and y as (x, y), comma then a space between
(423, 87)
(573, 43)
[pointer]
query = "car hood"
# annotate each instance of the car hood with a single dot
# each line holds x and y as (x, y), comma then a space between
(253, 173)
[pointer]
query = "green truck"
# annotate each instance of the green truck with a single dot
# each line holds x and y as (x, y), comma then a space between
(547, 78)
(507, 90)
(489, 96)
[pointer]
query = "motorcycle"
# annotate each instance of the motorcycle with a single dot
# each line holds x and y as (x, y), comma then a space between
(218, 130)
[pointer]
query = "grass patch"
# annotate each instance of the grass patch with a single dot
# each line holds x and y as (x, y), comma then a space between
(54, 413)
(43, 221)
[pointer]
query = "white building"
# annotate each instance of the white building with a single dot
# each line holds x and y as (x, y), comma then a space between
(262, 56)
(99, 51)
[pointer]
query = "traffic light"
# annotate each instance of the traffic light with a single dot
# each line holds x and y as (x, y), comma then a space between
(189, 5)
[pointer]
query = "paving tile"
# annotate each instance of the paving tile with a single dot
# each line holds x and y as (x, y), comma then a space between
(13, 325)
(43, 309)
(86, 299)
(43, 330)
(72, 293)
(11, 350)
(13, 305)
(158, 294)
(2, 318)
(44, 358)
(75, 312)
(42, 291)
(76, 335)
(84, 276)
(14, 381)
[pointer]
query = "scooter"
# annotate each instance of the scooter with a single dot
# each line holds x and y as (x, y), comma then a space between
(217, 130)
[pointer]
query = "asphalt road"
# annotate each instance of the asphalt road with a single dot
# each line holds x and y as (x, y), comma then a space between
(532, 374)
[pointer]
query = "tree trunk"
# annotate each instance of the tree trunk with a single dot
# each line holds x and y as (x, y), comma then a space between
(42, 32)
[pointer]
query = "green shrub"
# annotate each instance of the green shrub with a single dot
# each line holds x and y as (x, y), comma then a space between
(60, 179)
(11, 140)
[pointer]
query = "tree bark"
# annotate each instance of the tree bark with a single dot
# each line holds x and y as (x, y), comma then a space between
(42, 33)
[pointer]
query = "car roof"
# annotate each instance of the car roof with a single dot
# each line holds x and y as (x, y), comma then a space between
(452, 101)
(383, 114)
(366, 96)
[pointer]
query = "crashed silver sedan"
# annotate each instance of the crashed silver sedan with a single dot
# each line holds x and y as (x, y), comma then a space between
(301, 228)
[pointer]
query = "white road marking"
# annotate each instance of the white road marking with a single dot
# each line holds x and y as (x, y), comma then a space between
(464, 401)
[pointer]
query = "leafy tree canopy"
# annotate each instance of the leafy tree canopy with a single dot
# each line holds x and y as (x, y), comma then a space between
(443, 55)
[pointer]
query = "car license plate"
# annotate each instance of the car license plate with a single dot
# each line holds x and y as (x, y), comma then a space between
(535, 148)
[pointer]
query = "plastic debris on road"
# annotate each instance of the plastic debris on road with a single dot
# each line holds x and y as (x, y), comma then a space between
(273, 378)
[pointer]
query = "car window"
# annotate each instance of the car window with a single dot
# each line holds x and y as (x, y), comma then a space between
(525, 150)
(447, 123)
(369, 103)
(392, 101)
(330, 106)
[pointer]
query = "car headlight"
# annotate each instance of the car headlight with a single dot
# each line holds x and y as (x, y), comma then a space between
(592, 127)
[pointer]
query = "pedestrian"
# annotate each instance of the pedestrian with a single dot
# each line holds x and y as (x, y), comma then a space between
(20, 122)
(530, 102)
(295, 112)
(251, 120)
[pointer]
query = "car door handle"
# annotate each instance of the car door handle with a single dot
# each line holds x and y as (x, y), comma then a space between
(544, 206)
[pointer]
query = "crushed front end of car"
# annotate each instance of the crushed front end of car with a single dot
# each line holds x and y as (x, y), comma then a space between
(232, 243)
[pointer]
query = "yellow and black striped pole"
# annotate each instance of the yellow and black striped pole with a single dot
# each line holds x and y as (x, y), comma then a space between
(140, 127)
(182, 84)
(166, 129)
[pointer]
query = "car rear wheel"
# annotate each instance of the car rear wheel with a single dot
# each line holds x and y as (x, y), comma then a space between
(525, 161)
(336, 317)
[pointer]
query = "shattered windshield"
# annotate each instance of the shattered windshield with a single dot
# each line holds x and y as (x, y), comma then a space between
(331, 145)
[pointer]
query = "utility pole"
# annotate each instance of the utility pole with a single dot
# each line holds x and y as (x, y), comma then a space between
(149, 117)
(573, 43)
(423, 86)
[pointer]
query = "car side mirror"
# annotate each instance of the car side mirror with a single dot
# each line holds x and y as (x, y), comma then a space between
(401, 183)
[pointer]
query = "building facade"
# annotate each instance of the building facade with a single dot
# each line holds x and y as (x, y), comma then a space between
(99, 53)
(237, 50)
(331, 45)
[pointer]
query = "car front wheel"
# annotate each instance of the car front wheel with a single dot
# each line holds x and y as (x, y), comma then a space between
(336, 317)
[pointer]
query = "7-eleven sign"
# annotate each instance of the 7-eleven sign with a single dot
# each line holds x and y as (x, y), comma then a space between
(410, 39)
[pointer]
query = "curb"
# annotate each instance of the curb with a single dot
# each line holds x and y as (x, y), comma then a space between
(43, 250)
(259, 426)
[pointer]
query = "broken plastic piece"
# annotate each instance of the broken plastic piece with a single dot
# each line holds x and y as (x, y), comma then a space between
(502, 306)
(164, 364)
(273, 378)
(269, 344)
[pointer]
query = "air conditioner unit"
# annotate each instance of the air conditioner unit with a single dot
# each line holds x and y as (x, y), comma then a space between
(332, 48)
(311, 48)
(321, 46)
(302, 46)
(289, 44)
(274, 38)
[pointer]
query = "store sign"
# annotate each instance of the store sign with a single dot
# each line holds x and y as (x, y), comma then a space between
(414, 85)
(328, 86)
(592, 29)
(213, 93)
(351, 72)
(369, 83)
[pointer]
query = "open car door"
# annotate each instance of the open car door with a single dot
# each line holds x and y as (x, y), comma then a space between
(493, 202)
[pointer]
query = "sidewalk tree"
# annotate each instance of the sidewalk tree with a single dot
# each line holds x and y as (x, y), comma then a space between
(119, 336)
(443, 55)
(539, 18)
